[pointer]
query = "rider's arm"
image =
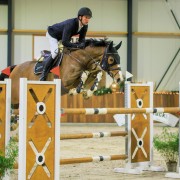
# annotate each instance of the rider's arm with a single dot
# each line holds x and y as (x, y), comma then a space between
(67, 34)
(66, 37)
(82, 34)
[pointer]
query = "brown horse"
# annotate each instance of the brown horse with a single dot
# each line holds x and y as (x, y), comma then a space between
(77, 68)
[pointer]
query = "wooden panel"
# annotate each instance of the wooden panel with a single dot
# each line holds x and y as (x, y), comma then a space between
(2, 116)
(166, 99)
(140, 124)
(40, 132)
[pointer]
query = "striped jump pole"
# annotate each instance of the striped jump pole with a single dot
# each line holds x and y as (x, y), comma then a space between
(39, 130)
(93, 135)
(100, 111)
(92, 159)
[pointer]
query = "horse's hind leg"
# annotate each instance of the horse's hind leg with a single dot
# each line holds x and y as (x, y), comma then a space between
(93, 88)
(15, 121)
(80, 86)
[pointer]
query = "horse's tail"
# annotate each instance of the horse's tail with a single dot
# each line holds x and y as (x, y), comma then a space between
(3, 76)
(5, 73)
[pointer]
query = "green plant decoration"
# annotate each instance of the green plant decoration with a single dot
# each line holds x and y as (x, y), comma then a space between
(102, 91)
(7, 162)
(167, 144)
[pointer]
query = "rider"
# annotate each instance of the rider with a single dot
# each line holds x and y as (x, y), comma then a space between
(64, 31)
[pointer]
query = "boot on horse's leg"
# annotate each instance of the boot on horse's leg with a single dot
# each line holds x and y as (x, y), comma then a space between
(80, 87)
(93, 88)
(47, 68)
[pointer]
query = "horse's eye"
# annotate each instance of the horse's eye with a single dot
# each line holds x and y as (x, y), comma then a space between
(110, 60)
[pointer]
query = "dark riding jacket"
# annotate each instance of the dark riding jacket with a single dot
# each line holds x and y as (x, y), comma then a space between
(66, 29)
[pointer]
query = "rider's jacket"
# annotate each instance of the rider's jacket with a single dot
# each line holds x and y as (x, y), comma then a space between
(66, 29)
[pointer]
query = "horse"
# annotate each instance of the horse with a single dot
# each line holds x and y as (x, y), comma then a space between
(78, 68)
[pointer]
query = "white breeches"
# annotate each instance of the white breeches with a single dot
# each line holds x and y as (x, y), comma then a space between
(53, 45)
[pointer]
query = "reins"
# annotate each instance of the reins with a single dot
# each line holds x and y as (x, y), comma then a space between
(82, 64)
(78, 60)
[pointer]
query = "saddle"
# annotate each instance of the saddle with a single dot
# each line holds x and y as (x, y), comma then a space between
(41, 61)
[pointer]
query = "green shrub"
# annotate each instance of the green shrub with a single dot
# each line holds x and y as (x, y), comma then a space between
(167, 144)
(7, 162)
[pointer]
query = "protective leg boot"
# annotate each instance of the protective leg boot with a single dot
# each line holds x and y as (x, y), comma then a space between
(47, 68)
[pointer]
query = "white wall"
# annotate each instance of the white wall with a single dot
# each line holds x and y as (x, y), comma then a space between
(39, 14)
(155, 16)
(3, 37)
(3, 17)
(22, 48)
(152, 55)
(3, 51)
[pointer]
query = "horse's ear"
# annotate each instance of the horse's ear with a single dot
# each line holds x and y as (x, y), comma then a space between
(111, 45)
(118, 46)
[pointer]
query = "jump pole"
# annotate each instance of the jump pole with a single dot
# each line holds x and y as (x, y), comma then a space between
(92, 159)
(39, 130)
(131, 110)
(5, 111)
(93, 135)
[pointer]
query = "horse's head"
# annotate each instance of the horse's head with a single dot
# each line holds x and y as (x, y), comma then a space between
(111, 62)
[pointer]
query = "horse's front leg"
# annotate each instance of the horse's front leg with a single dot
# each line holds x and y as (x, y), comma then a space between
(93, 88)
(80, 86)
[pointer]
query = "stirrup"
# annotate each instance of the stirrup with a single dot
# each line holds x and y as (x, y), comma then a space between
(43, 76)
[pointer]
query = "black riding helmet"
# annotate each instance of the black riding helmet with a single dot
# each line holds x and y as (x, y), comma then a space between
(85, 11)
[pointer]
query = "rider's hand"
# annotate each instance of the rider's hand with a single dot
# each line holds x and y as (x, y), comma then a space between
(81, 45)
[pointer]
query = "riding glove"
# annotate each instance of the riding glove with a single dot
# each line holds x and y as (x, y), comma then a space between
(81, 46)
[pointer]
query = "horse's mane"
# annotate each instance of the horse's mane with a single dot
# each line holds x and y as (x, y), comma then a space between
(96, 42)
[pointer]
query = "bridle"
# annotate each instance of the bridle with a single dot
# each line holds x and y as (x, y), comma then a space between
(109, 67)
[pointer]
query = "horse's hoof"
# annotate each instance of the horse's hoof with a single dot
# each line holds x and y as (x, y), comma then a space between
(72, 92)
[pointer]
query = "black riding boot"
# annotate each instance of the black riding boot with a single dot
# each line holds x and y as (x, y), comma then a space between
(47, 68)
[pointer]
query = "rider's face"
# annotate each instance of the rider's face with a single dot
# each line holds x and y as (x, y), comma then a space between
(85, 20)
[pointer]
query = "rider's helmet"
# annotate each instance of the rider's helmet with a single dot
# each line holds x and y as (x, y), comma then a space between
(85, 11)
